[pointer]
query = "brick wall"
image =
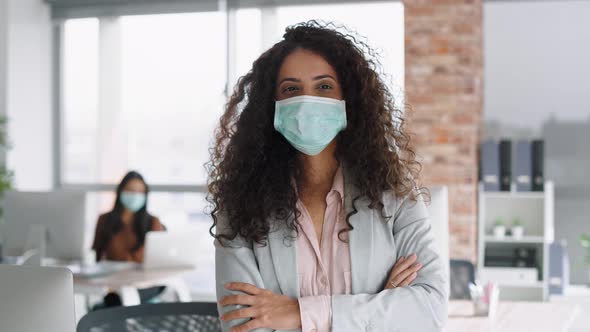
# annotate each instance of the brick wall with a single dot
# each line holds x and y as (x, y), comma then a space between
(444, 87)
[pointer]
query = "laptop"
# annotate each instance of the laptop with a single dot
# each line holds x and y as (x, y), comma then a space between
(167, 250)
(34, 298)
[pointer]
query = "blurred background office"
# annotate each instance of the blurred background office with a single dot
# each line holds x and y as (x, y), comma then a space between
(92, 89)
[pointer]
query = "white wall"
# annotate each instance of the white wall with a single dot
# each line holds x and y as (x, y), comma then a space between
(3, 67)
(536, 61)
(29, 101)
(3, 63)
(536, 77)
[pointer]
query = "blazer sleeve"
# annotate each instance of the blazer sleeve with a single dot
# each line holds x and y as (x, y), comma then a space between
(234, 262)
(420, 307)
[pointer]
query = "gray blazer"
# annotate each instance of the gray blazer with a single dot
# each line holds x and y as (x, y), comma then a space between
(374, 248)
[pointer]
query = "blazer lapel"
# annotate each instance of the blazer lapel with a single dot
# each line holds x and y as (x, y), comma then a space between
(283, 253)
(360, 238)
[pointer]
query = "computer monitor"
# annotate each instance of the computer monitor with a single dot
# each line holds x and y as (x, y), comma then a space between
(34, 298)
(63, 216)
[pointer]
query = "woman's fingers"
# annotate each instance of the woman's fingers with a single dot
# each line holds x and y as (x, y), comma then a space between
(408, 280)
(397, 280)
(399, 261)
(403, 265)
(239, 314)
(248, 326)
(268, 310)
(238, 299)
(403, 272)
(244, 288)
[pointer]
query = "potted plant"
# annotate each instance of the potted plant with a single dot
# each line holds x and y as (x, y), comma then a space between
(499, 228)
(5, 175)
(517, 228)
(584, 241)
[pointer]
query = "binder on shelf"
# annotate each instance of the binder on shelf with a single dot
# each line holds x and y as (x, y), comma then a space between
(490, 167)
(538, 165)
(559, 267)
(522, 170)
(505, 152)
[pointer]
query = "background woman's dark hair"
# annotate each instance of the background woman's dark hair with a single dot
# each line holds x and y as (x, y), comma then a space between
(252, 165)
(113, 223)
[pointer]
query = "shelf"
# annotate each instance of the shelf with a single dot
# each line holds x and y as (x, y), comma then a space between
(537, 284)
(510, 239)
(514, 194)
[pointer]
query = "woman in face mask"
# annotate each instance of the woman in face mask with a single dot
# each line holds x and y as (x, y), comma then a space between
(319, 222)
(120, 233)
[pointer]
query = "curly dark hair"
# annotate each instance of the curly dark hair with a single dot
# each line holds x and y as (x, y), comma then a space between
(252, 165)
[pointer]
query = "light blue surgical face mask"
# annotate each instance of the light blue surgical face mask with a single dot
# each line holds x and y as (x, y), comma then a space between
(132, 201)
(310, 123)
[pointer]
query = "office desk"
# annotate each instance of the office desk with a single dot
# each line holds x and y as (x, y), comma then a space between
(127, 278)
(513, 317)
(580, 295)
(126, 283)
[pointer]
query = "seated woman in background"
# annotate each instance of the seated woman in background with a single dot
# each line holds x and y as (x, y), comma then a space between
(120, 233)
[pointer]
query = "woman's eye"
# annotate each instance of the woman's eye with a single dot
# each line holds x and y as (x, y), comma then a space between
(325, 86)
(289, 89)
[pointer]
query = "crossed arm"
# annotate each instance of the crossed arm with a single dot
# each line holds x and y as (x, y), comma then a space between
(417, 303)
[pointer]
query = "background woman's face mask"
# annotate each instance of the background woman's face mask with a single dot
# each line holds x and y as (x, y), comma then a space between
(133, 201)
(310, 123)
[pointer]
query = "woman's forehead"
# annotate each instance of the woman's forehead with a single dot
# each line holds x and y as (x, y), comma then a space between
(135, 184)
(305, 65)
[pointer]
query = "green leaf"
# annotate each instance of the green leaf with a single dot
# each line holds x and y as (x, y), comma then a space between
(6, 176)
(584, 240)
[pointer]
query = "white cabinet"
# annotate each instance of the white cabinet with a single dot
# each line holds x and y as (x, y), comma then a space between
(534, 211)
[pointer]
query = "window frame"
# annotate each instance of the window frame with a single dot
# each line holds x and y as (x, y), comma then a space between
(58, 117)
(230, 7)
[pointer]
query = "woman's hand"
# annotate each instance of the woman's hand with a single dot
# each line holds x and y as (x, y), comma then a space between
(265, 309)
(404, 272)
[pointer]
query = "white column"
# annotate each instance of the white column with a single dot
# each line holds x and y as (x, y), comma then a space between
(3, 69)
(112, 133)
(27, 91)
(231, 61)
(269, 26)
(3, 60)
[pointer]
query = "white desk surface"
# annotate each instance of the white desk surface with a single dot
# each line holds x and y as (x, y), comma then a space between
(580, 295)
(127, 278)
(513, 317)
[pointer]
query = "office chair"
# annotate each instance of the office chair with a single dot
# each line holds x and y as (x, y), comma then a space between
(157, 317)
(462, 273)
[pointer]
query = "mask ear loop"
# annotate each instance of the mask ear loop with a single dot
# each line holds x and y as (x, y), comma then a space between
(343, 101)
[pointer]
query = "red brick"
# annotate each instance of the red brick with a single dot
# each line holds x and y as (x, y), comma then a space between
(444, 75)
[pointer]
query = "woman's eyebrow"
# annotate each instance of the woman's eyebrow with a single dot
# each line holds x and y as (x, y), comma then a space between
(323, 76)
(289, 79)
(296, 80)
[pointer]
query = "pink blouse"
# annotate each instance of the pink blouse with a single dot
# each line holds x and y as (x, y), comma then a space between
(324, 269)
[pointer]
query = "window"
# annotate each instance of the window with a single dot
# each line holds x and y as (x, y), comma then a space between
(145, 92)
(381, 23)
(80, 85)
